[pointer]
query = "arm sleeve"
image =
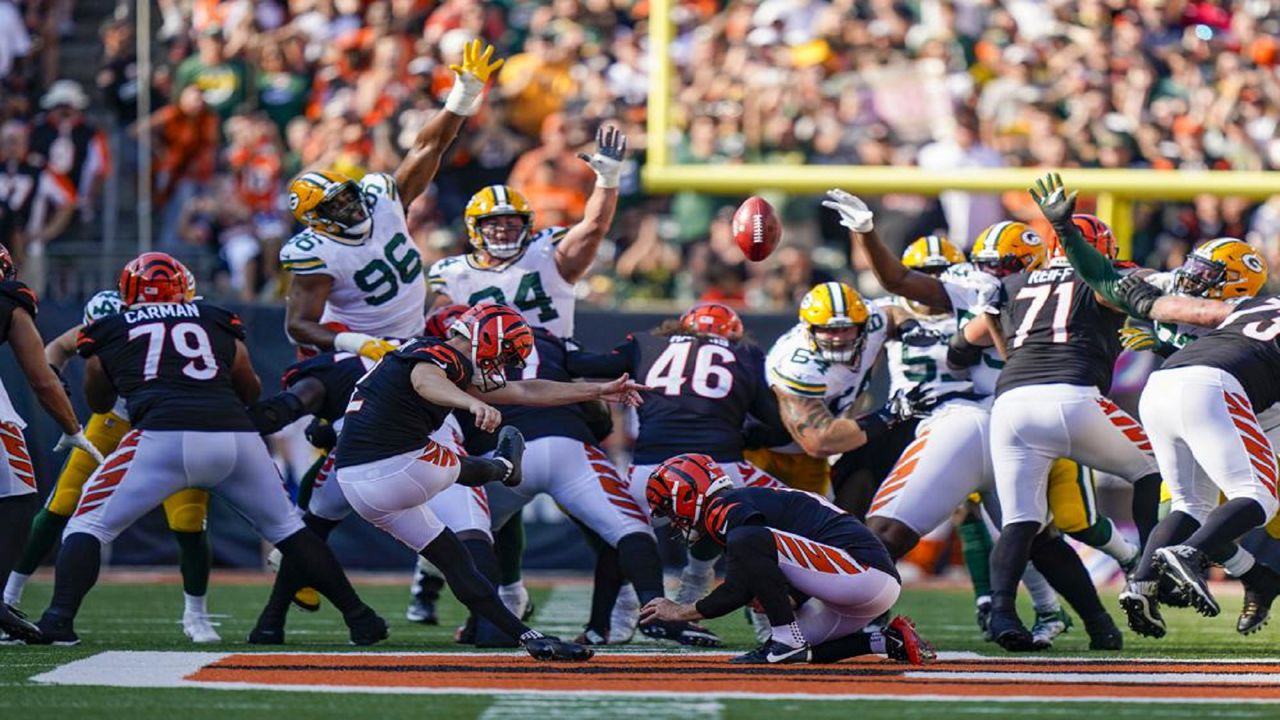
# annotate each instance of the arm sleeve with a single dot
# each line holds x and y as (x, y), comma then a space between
(583, 363)
(456, 367)
(1095, 268)
(729, 596)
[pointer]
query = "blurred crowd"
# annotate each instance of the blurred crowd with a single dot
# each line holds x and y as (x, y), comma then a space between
(247, 92)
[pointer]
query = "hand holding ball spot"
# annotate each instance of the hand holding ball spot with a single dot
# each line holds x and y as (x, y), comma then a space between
(756, 228)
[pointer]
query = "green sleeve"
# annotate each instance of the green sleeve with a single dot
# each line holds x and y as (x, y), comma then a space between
(1095, 268)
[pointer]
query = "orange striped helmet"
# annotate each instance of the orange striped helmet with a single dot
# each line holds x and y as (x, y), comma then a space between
(713, 318)
(499, 338)
(7, 269)
(679, 490)
(1094, 231)
(153, 277)
(440, 319)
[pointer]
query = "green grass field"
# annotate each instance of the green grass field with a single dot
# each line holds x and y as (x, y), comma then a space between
(143, 616)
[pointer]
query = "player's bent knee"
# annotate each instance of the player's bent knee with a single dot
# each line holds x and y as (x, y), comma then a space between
(896, 537)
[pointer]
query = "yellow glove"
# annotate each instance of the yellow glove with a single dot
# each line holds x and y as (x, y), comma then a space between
(363, 345)
(472, 74)
(376, 348)
(1138, 339)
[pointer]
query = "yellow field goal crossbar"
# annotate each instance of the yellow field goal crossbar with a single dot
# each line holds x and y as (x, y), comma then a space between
(1115, 189)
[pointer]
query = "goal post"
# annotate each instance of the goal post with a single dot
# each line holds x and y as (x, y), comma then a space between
(1116, 190)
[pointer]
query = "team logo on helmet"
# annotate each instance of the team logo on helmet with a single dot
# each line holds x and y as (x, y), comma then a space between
(153, 277)
(680, 490)
(332, 204)
(1221, 268)
(500, 338)
(1006, 248)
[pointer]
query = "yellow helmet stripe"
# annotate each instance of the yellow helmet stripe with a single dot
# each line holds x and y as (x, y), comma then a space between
(838, 305)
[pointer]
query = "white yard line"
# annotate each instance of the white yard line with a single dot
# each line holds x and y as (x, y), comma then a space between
(571, 707)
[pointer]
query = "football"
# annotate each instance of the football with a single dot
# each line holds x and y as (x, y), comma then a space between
(756, 228)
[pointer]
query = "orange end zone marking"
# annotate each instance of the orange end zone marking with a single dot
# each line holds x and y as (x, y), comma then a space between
(710, 674)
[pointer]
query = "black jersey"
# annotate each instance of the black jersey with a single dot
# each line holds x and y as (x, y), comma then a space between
(338, 372)
(1246, 345)
(1057, 331)
(171, 362)
(548, 361)
(14, 295)
(704, 388)
(797, 512)
(386, 415)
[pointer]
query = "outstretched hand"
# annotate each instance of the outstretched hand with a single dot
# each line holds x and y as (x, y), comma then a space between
(623, 390)
(1056, 204)
(854, 213)
(611, 148)
(475, 62)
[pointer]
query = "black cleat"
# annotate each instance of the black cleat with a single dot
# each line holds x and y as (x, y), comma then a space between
(15, 625)
(1261, 585)
(266, 634)
(774, 653)
(904, 644)
(1142, 610)
(366, 627)
(422, 612)
(1103, 633)
(1009, 632)
(549, 647)
(56, 631)
(466, 633)
(510, 449)
(685, 633)
(1170, 595)
(1187, 568)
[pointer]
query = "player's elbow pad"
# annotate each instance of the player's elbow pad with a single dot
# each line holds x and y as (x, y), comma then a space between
(961, 353)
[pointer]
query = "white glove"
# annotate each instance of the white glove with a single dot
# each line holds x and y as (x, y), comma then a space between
(80, 442)
(854, 214)
(611, 148)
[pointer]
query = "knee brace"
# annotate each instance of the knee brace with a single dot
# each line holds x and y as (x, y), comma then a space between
(187, 510)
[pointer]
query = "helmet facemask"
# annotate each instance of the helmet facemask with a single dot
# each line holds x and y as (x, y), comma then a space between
(1199, 276)
(997, 266)
(346, 209)
(503, 235)
(838, 341)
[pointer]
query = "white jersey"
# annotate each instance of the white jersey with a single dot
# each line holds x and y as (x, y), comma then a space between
(793, 366)
(377, 284)
(918, 354)
(105, 303)
(973, 293)
(531, 283)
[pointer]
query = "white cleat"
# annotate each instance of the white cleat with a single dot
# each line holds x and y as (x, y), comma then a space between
(197, 627)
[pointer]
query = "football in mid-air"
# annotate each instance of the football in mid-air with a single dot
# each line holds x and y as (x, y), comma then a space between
(757, 228)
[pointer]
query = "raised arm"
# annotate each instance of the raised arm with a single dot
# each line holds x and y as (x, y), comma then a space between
(888, 268)
(575, 253)
(543, 393)
(420, 165)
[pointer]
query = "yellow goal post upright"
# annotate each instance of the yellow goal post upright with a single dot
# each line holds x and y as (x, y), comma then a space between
(1115, 189)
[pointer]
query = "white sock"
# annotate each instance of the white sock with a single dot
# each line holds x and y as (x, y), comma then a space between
(877, 642)
(1240, 563)
(1042, 595)
(1119, 546)
(514, 596)
(788, 635)
(695, 580)
(193, 604)
(13, 589)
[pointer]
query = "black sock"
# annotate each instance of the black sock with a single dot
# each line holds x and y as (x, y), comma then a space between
(194, 559)
(638, 557)
(508, 543)
(16, 512)
(469, 586)
(1146, 505)
(77, 572)
(604, 591)
(1227, 523)
(1008, 561)
(477, 471)
(751, 559)
(322, 527)
(486, 563)
(858, 643)
(1175, 528)
(307, 560)
(1062, 567)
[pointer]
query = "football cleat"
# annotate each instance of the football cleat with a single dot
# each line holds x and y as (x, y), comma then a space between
(265, 634)
(904, 644)
(685, 633)
(774, 653)
(1009, 632)
(1143, 609)
(16, 627)
(56, 631)
(510, 449)
(1048, 626)
(466, 632)
(1170, 595)
(196, 625)
(1258, 596)
(422, 611)
(366, 627)
(1103, 633)
(983, 611)
(1187, 568)
(549, 647)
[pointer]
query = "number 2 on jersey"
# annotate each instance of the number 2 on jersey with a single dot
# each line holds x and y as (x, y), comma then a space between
(1039, 297)
(188, 339)
(668, 371)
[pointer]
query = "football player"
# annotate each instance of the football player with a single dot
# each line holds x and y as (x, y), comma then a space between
(387, 474)
(354, 265)
(817, 572)
(186, 376)
(707, 381)
(186, 510)
(18, 498)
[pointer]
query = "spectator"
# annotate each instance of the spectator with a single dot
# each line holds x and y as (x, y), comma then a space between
(186, 149)
(219, 77)
(36, 204)
(552, 177)
(539, 80)
(68, 144)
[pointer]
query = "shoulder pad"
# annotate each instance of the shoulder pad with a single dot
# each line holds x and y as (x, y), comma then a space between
(793, 366)
(21, 295)
(303, 254)
(380, 185)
